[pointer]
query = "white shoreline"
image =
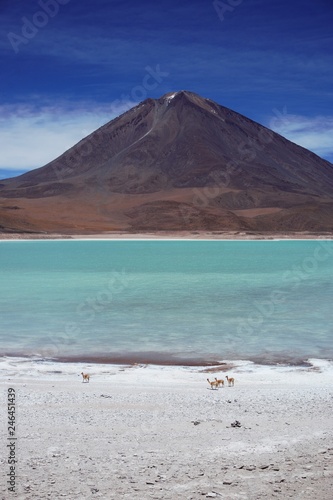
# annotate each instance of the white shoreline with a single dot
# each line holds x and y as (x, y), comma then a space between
(21, 367)
(168, 239)
(171, 235)
(71, 238)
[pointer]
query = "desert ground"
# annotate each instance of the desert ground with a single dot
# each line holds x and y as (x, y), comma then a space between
(152, 432)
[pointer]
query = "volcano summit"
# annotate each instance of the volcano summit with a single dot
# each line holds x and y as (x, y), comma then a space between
(180, 162)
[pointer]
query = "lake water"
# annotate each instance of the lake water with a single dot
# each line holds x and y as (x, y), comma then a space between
(167, 301)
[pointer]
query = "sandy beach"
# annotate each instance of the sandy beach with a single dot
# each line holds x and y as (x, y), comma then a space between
(160, 432)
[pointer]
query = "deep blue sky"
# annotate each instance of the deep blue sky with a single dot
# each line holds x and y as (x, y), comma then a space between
(271, 60)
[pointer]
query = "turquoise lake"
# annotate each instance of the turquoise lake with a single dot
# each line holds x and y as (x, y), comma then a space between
(173, 301)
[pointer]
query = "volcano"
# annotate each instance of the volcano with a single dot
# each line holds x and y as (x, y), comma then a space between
(181, 162)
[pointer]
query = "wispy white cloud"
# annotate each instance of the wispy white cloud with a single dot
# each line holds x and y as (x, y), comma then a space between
(30, 137)
(315, 134)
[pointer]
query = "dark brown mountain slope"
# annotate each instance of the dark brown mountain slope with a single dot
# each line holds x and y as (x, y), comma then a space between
(178, 162)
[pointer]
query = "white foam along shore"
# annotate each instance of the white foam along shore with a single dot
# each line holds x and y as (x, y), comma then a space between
(247, 371)
(147, 431)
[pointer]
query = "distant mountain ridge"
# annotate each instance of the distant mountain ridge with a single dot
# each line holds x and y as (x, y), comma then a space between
(174, 163)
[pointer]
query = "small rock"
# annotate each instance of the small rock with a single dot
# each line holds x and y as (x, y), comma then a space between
(236, 424)
(211, 495)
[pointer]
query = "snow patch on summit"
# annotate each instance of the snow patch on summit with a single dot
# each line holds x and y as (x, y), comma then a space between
(170, 97)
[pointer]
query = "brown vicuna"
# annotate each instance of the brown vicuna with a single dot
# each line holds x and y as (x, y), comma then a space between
(220, 383)
(213, 384)
(85, 377)
(231, 380)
